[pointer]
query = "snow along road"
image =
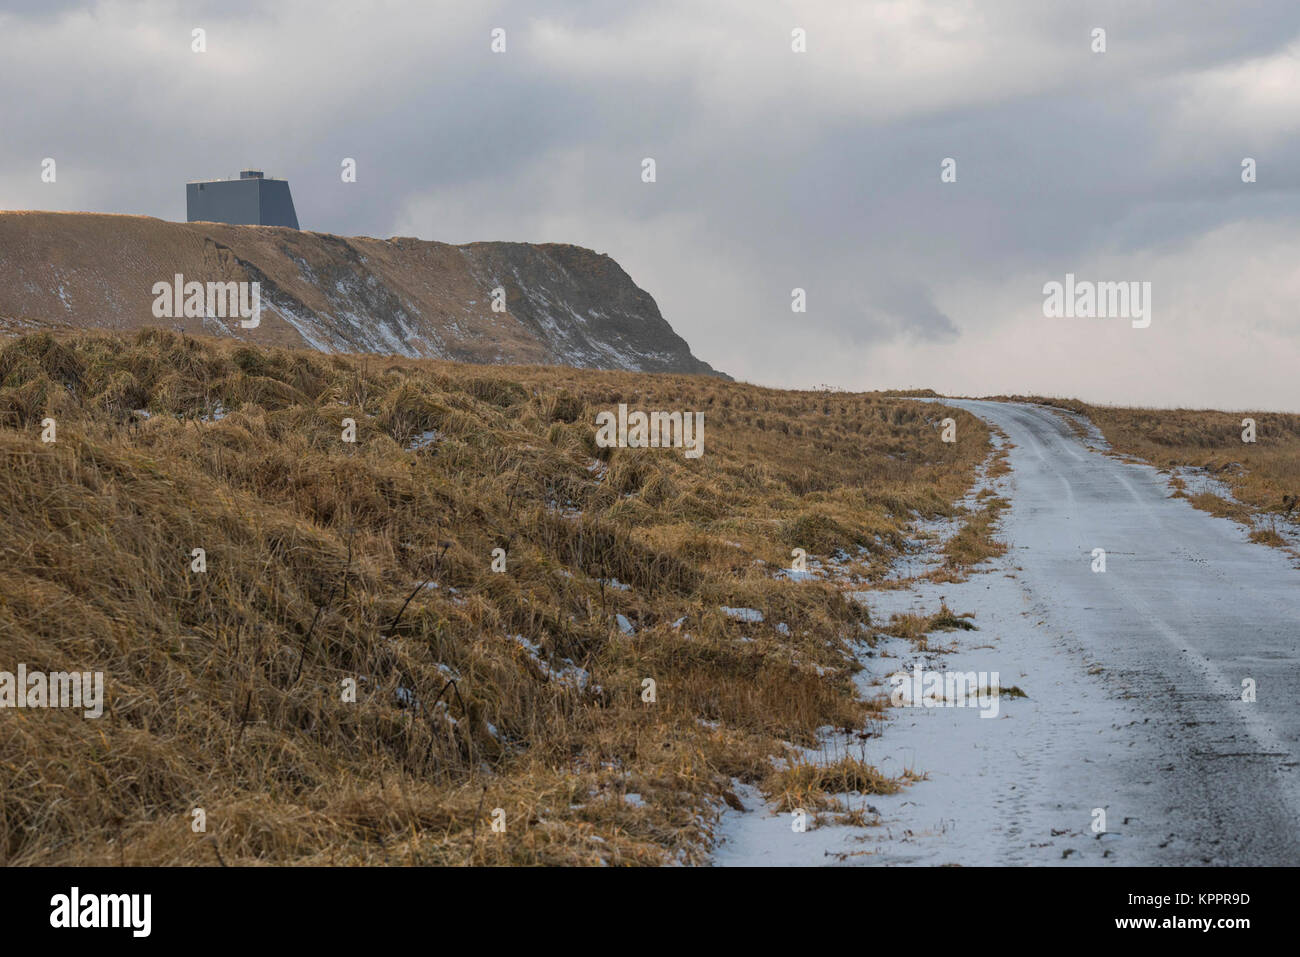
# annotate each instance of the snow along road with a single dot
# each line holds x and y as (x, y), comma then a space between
(1134, 680)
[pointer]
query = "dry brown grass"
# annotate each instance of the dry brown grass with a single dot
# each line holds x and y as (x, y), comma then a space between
(917, 628)
(1259, 473)
(812, 785)
(974, 541)
(328, 561)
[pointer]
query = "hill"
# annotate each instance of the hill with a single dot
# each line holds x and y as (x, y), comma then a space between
(563, 305)
(369, 565)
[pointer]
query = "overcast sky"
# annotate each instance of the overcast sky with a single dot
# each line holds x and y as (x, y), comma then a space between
(775, 169)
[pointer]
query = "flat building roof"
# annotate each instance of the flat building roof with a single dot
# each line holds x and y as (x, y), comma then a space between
(232, 179)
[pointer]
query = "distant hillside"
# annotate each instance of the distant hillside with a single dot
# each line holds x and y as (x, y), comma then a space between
(564, 305)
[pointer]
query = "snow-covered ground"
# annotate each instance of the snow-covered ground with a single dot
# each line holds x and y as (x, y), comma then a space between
(1133, 678)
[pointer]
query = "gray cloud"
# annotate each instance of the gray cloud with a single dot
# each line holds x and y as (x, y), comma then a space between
(775, 170)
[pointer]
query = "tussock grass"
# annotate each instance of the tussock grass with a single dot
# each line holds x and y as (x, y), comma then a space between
(974, 542)
(812, 786)
(1219, 506)
(917, 628)
(330, 562)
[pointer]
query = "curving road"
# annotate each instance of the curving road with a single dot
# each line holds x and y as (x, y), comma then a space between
(1133, 680)
(1186, 610)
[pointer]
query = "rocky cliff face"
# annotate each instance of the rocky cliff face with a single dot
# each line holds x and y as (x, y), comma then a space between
(564, 305)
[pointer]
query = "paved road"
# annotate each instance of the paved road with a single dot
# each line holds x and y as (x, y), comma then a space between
(1186, 610)
(1133, 680)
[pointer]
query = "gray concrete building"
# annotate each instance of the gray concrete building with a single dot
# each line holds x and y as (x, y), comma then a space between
(251, 200)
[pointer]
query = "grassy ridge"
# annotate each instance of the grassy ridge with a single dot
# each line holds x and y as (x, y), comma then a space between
(330, 562)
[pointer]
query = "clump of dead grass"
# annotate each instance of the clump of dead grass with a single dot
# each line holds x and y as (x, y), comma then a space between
(812, 785)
